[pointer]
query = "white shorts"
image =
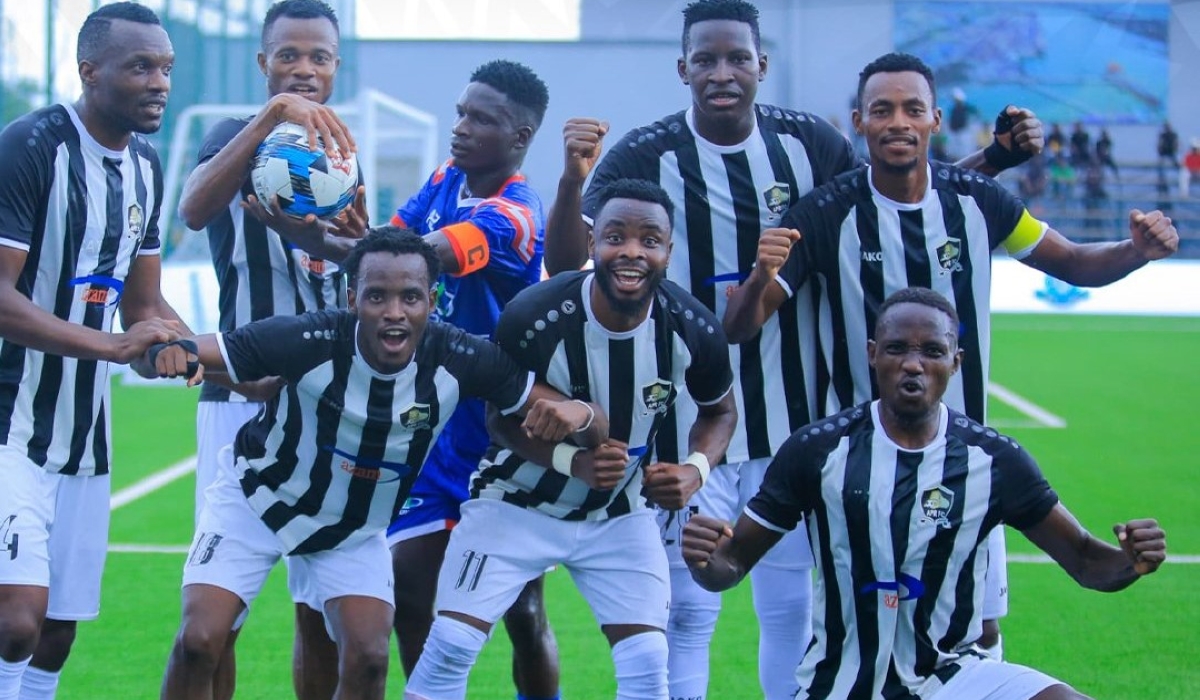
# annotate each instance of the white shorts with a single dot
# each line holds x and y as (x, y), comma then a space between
(725, 495)
(618, 564)
(54, 534)
(235, 550)
(995, 584)
(985, 679)
(217, 424)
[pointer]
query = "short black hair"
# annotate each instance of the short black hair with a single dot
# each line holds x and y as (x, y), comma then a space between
(642, 190)
(519, 84)
(897, 62)
(918, 295)
(93, 35)
(394, 240)
(298, 9)
(736, 10)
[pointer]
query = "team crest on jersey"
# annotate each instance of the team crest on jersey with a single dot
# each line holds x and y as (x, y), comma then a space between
(658, 395)
(948, 254)
(415, 417)
(777, 197)
(936, 504)
(136, 220)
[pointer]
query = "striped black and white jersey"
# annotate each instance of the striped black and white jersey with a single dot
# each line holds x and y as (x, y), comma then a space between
(330, 460)
(82, 213)
(679, 351)
(259, 274)
(859, 247)
(724, 197)
(900, 541)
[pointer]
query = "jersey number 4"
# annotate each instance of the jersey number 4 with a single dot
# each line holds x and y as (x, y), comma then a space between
(8, 538)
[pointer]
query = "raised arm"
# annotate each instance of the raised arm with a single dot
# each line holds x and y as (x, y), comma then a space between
(215, 182)
(1096, 564)
(1018, 136)
(1152, 236)
(566, 231)
(760, 296)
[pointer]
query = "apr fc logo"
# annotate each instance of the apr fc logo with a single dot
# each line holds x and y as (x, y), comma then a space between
(415, 417)
(135, 221)
(658, 396)
(777, 197)
(936, 504)
(948, 254)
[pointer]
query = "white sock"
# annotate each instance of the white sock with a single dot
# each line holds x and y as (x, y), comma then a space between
(450, 651)
(38, 684)
(783, 604)
(693, 618)
(10, 678)
(640, 662)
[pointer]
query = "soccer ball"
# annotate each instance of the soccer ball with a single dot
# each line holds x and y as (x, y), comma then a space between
(306, 182)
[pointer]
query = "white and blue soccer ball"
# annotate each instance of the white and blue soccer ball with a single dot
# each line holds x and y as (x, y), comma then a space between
(306, 182)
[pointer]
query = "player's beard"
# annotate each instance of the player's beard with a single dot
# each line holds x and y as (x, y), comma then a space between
(900, 168)
(626, 305)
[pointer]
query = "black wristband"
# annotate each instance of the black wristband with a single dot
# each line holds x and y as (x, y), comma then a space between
(997, 155)
(1001, 158)
(189, 346)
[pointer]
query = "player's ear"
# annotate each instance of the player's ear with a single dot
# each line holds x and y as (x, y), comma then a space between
(762, 67)
(87, 73)
(958, 356)
(681, 67)
(433, 295)
(351, 298)
(871, 346)
(524, 136)
(262, 62)
(937, 119)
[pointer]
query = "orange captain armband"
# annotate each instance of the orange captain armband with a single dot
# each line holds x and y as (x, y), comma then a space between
(470, 247)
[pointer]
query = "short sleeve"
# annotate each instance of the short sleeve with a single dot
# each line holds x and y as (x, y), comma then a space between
(218, 136)
(709, 377)
(152, 243)
(283, 346)
(486, 371)
(516, 325)
(413, 213)
(26, 174)
(513, 231)
(1024, 494)
(791, 485)
(1007, 220)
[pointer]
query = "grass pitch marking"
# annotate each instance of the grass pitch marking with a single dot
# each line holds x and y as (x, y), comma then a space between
(152, 483)
(1040, 416)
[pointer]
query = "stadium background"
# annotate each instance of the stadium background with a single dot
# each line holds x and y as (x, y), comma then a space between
(1106, 401)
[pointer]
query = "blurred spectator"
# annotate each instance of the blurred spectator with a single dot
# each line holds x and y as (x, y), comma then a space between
(1032, 184)
(1104, 152)
(1062, 177)
(1190, 169)
(1168, 147)
(1094, 194)
(962, 139)
(1080, 146)
(1056, 140)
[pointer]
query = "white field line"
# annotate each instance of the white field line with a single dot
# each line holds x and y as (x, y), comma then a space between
(1024, 405)
(153, 483)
